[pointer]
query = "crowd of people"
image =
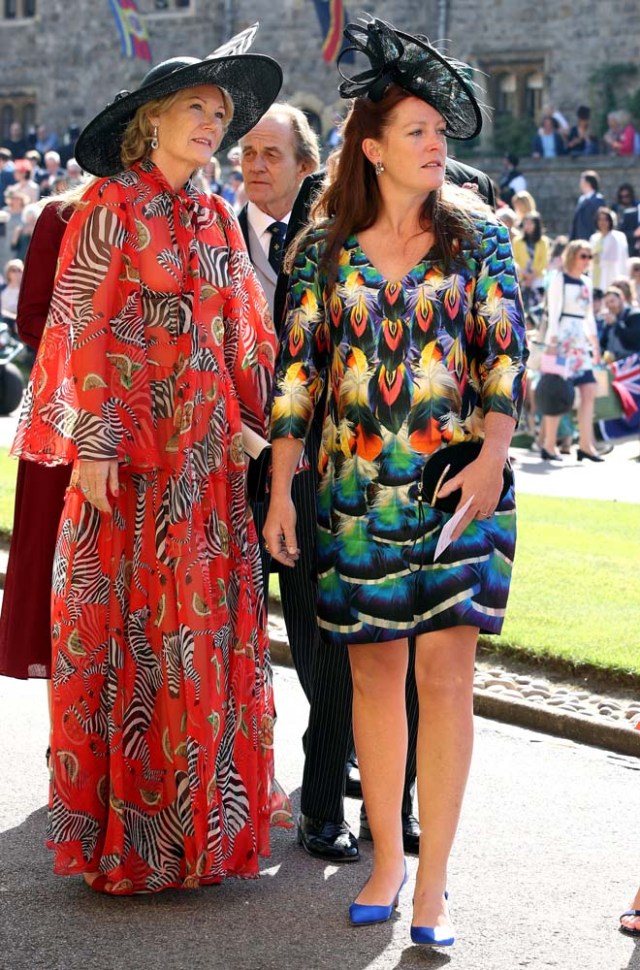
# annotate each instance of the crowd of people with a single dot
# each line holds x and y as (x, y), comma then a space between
(370, 320)
(556, 136)
(582, 296)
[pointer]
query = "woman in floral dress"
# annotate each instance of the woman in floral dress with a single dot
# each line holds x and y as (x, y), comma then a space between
(157, 348)
(404, 304)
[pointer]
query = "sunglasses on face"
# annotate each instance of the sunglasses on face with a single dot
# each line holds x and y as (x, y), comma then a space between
(585, 256)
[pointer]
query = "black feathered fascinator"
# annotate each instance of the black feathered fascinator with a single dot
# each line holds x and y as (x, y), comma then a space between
(415, 65)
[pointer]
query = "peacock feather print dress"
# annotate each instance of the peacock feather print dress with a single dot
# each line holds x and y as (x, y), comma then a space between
(411, 366)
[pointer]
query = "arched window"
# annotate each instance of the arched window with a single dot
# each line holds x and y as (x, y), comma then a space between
(7, 119)
(18, 9)
(534, 89)
(149, 7)
(507, 88)
(28, 117)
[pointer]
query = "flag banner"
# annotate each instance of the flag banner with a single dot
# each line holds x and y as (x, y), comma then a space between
(134, 39)
(626, 385)
(333, 17)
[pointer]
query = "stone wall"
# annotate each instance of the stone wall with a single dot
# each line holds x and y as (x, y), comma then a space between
(68, 57)
(573, 38)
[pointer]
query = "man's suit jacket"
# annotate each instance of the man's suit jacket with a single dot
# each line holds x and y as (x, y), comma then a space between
(263, 268)
(456, 172)
(584, 218)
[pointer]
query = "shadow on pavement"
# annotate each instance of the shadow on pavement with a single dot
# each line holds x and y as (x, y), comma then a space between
(634, 962)
(293, 918)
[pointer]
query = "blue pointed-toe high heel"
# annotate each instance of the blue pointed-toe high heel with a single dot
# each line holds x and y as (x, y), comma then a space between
(433, 935)
(361, 914)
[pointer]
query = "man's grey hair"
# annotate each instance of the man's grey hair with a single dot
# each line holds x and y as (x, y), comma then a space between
(305, 139)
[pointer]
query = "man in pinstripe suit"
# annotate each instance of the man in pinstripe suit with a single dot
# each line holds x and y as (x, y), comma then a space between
(276, 156)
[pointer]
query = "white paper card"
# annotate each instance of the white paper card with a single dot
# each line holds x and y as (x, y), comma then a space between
(253, 443)
(449, 528)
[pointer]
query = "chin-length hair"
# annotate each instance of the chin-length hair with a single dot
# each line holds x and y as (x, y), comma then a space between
(350, 201)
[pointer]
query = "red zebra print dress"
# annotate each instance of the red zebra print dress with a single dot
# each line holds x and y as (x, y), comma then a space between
(158, 344)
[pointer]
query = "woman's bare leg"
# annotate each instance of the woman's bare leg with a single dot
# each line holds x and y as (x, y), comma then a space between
(379, 673)
(586, 408)
(444, 674)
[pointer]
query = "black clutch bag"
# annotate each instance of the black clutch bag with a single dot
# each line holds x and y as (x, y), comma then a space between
(446, 463)
(257, 474)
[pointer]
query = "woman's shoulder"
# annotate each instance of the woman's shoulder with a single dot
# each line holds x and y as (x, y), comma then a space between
(213, 202)
(490, 234)
(113, 190)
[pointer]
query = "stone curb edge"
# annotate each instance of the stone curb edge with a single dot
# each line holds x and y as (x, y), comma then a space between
(563, 724)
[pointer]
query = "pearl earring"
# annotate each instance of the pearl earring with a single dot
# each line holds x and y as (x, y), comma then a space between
(379, 167)
(154, 138)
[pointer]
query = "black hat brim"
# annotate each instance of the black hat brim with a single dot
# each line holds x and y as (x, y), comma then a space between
(253, 82)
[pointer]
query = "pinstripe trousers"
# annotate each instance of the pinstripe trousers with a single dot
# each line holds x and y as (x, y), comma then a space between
(298, 584)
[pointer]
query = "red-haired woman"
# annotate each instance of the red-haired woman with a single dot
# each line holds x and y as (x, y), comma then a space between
(404, 303)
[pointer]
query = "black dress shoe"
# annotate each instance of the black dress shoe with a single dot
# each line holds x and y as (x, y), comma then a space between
(333, 841)
(352, 785)
(588, 454)
(410, 832)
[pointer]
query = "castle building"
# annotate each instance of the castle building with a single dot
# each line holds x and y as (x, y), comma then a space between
(62, 62)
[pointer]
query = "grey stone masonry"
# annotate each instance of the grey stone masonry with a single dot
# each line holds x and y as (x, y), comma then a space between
(67, 60)
(68, 56)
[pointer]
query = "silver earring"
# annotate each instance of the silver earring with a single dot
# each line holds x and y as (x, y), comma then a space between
(154, 138)
(379, 167)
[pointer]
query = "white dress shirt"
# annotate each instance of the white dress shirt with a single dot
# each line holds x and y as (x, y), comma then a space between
(260, 222)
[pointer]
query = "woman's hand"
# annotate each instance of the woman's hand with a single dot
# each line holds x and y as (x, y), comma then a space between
(279, 531)
(481, 479)
(94, 477)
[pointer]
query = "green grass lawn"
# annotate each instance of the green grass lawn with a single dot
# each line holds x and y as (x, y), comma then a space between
(575, 594)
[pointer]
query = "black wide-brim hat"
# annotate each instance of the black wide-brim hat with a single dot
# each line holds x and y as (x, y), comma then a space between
(414, 64)
(252, 81)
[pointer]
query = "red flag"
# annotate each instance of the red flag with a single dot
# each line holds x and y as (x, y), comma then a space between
(134, 39)
(333, 18)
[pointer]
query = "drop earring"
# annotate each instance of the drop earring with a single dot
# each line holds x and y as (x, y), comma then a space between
(379, 167)
(154, 138)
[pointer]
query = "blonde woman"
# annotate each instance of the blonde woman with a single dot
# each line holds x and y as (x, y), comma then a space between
(572, 339)
(523, 203)
(532, 251)
(158, 346)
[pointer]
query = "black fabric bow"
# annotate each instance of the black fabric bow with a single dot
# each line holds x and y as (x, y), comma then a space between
(384, 49)
(418, 67)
